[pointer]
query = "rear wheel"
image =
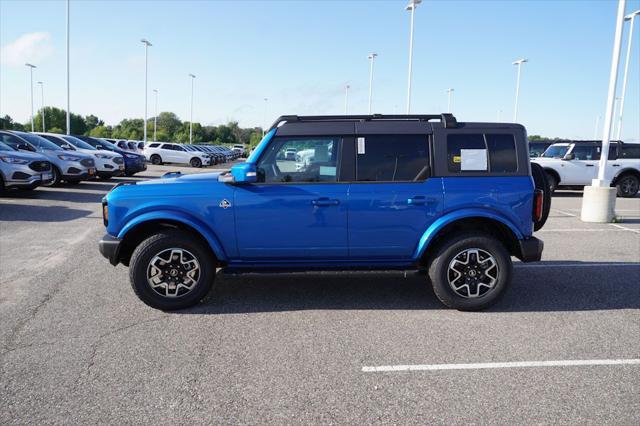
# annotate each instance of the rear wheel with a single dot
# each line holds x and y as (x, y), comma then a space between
(628, 186)
(156, 160)
(196, 162)
(171, 270)
(470, 272)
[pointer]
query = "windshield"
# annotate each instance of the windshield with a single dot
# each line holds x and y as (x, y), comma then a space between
(556, 151)
(39, 142)
(78, 143)
(5, 147)
(102, 144)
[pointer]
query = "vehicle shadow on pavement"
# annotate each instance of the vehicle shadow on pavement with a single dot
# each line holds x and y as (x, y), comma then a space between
(27, 213)
(582, 287)
(60, 195)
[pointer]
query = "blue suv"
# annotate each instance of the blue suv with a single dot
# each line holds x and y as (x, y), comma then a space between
(424, 192)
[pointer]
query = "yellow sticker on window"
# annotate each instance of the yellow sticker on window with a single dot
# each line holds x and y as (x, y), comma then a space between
(457, 159)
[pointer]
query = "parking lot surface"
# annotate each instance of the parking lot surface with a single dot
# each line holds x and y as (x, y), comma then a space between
(77, 346)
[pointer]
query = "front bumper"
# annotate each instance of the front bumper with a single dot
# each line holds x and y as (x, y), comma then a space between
(530, 250)
(109, 247)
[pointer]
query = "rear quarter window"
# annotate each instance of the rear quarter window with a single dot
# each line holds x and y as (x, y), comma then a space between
(630, 151)
(154, 145)
(479, 152)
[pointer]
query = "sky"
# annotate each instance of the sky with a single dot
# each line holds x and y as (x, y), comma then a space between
(301, 55)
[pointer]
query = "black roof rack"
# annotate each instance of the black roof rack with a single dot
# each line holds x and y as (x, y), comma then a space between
(448, 120)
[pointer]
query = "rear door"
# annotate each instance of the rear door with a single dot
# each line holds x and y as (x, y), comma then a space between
(393, 199)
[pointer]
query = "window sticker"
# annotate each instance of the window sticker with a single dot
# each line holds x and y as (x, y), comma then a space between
(360, 145)
(457, 159)
(473, 159)
(327, 171)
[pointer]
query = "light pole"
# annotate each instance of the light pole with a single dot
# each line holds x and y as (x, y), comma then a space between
(412, 8)
(264, 116)
(599, 199)
(155, 118)
(193, 77)
(595, 131)
(42, 98)
(68, 79)
(146, 63)
(346, 99)
(372, 58)
(518, 63)
(631, 17)
(31, 67)
(449, 91)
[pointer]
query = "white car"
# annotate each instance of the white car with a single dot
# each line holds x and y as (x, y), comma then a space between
(162, 152)
(108, 163)
(575, 163)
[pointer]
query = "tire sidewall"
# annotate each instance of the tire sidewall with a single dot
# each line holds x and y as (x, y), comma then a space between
(156, 160)
(447, 251)
(621, 192)
(195, 162)
(143, 254)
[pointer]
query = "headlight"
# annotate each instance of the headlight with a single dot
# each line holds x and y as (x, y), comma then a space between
(104, 156)
(14, 160)
(131, 155)
(67, 157)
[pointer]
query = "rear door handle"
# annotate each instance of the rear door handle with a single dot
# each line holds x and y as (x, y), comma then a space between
(420, 200)
(590, 165)
(324, 202)
(616, 165)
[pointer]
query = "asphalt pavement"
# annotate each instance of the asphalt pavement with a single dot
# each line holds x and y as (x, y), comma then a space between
(77, 346)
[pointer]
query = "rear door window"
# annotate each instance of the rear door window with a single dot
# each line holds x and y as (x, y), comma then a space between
(502, 153)
(392, 158)
(630, 151)
(477, 152)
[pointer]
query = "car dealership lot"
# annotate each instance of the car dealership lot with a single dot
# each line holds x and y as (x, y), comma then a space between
(78, 346)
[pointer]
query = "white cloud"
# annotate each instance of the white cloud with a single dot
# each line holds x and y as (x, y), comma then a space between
(29, 47)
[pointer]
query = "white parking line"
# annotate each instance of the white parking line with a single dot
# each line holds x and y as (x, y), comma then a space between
(493, 365)
(572, 265)
(585, 230)
(565, 213)
(624, 228)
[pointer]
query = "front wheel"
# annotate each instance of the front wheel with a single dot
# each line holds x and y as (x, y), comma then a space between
(171, 270)
(628, 186)
(55, 181)
(553, 182)
(470, 272)
(196, 162)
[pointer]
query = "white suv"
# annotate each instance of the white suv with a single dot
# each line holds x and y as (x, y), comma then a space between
(575, 163)
(161, 152)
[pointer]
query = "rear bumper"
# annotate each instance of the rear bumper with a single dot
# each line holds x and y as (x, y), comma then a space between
(530, 250)
(109, 247)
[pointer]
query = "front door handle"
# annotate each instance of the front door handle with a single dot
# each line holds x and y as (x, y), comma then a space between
(616, 165)
(590, 165)
(324, 202)
(420, 200)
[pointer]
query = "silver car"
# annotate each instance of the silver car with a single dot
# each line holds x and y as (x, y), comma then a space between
(70, 166)
(22, 170)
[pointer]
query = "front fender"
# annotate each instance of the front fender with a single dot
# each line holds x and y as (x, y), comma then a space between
(449, 218)
(177, 216)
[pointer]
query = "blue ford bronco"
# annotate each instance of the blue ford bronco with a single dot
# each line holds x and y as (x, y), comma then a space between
(423, 192)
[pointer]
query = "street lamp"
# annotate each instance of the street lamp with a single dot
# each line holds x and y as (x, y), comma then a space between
(449, 91)
(193, 77)
(264, 116)
(595, 131)
(155, 118)
(31, 67)
(372, 58)
(412, 8)
(599, 199)
(346, 99)
(518, 63)
(146, 47)
(42, 97)
(630, 17)
(68, 79)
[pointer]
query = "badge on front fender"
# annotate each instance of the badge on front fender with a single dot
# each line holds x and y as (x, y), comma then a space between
(225, 204)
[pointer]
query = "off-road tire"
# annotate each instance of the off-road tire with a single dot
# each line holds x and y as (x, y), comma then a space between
(448, 249)
(627, 185)
(155, 244)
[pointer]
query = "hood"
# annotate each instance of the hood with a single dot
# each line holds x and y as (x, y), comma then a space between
(23, 155)
(177, 177)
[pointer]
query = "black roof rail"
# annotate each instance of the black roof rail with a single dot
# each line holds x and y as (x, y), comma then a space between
(447, 119)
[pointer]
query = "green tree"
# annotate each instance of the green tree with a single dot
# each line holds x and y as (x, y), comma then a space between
(169, 124)
(91, 122)
(7, 123)
(100, 131)
(57, 118)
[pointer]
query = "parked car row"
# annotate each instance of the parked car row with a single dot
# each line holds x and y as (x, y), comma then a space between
(33, 159)
(196, 155)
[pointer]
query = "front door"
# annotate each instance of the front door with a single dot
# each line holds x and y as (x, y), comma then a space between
(297, 209)
(583, 167)
(393, 200)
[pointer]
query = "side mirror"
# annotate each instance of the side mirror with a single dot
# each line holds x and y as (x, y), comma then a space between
(240, 173)
(569, 157)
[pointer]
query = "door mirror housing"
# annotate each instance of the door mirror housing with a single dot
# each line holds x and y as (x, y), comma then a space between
(569, 157)
(240, 173)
